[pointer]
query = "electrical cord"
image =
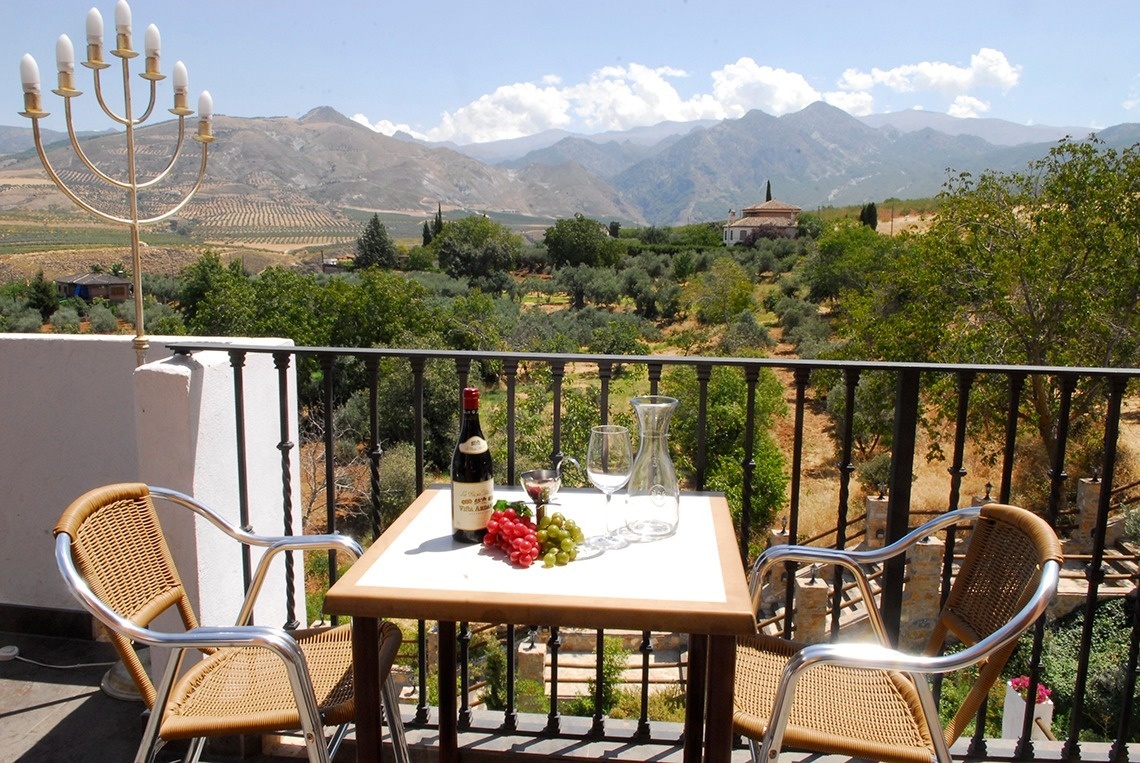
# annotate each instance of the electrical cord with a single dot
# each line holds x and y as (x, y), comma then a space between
(13, 653)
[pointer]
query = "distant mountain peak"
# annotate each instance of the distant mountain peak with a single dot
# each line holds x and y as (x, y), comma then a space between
(326, 115)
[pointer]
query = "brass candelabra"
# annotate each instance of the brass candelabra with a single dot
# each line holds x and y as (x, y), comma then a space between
(131, 184)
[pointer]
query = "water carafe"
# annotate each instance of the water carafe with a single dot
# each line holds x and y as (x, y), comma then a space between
(653, 495)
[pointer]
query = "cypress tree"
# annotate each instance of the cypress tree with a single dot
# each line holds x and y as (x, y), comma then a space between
(768, 191)
(437, 226)
(374, 248)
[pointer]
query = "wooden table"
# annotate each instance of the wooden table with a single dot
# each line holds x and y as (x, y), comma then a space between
(692, 582)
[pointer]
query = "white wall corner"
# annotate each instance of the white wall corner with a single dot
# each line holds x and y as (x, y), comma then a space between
(187, 440)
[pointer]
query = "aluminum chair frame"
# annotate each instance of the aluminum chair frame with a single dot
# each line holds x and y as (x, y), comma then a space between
(277, 640)
(883, 656)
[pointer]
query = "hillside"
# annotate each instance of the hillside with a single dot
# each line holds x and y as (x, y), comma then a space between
(316, 175)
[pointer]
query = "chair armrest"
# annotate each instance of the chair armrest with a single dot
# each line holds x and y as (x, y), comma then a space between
(854, 561)
(326, 542)
(273, 544)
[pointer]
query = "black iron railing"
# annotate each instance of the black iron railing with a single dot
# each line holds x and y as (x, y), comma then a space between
(912, 387)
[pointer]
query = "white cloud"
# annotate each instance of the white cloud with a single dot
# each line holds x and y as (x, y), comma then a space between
(386, 127)
(967, 106)
(632, 95)
(745, 85)
(620, 97)
(988, 68)
(512, 111)
(859, 104)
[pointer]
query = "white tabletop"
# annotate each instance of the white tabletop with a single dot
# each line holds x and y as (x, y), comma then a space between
(683, 567)
(690, 582)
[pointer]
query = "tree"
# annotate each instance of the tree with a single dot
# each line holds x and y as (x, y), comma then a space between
(869, 216)
(43, 296)
(721, 294)
(768, 191)
(479, 250)
(581, 241)
(427, 233)
(615, 229)
(848, 256)
(374, 248)
(437, 223)
(1021, 268)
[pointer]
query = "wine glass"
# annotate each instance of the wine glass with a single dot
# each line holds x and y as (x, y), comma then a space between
(609, 461)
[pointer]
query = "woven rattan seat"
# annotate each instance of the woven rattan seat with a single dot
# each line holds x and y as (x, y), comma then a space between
(871, 701)
(252, 679)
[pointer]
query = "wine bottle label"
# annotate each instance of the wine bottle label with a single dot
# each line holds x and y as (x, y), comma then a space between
(471, 504)
(473, 446)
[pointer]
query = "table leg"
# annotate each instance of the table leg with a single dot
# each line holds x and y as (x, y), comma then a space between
(695, 697)
(448, 705)
(720, 678)
(366, 680)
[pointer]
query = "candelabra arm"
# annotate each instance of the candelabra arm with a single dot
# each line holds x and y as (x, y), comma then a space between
(82, 156)
(63, 187)
(173, 157)
(103, 104)
(153, 96)
(189, 195)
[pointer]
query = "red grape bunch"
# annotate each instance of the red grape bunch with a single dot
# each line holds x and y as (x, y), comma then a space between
(512, 530)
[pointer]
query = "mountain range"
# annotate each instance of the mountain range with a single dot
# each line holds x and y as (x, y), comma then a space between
(668, 174)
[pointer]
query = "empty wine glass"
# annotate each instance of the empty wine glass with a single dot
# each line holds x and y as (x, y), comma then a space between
(609, 461)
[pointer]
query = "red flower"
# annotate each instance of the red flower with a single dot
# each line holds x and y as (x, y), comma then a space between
(1021, 686)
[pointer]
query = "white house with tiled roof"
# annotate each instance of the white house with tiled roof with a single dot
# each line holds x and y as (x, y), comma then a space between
(772, 219)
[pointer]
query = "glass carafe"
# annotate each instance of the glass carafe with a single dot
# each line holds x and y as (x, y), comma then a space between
(653, 495)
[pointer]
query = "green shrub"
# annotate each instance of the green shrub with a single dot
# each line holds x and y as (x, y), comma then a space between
(613, 662)
(65, 321)
(103, 320)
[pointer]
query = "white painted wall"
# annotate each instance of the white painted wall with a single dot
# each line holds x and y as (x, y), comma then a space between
(75, 413)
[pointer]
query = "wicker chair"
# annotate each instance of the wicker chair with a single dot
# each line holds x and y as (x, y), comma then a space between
(867, 700)
(252, 679)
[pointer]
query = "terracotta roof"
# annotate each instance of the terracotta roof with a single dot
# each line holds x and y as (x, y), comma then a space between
(759, 222)
(771, 206)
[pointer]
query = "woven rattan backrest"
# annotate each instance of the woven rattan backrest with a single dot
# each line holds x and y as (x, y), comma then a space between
(999, 574)
(118, 547)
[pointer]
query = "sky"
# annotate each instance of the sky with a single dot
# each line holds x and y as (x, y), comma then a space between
(480, 71)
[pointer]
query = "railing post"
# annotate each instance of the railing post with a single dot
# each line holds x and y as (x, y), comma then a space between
(422, 715)
(417, 364)
(510, 713)
(281, 361)
(802, 377)
(904, 441)
(1016, 384)
(646, 649)
(511, 371)
(372, 365)
(464, 641)
(748, 464)
(605, 374)
(557, 373)
(846, 469)
(327, 361)
(553, 718)
(700, 458)
(1094, 573)
(237, 362)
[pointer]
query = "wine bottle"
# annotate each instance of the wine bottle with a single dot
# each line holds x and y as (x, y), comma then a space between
(472, 476)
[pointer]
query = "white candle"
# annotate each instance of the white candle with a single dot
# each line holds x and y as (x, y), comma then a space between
(94, 27)
(122, 17)
(29, 74)
(153, 40)
(205, 105)
(64, 55)
(181, 78)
